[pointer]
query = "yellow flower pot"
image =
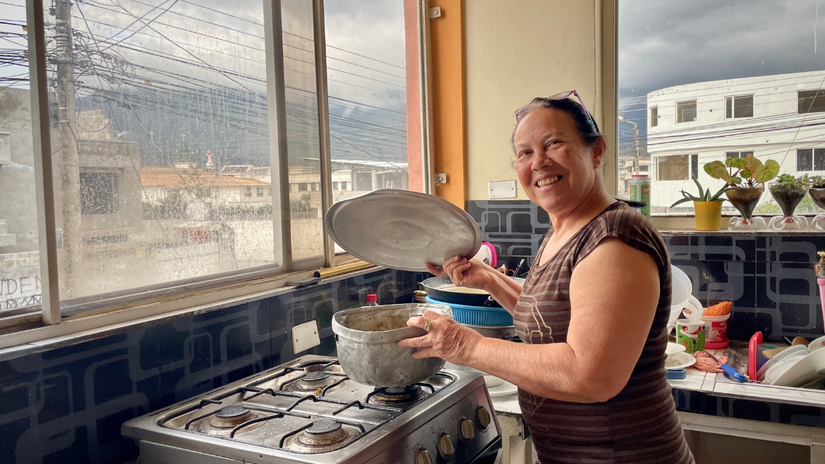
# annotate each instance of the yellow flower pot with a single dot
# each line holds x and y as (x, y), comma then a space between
(708, 214)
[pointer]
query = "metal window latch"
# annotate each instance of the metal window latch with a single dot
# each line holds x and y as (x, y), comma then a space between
(441, 178)
(435, 12)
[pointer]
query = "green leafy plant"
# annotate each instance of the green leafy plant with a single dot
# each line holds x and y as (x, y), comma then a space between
(704, 195)
(817, 181)
(743, 172)
(787, 182)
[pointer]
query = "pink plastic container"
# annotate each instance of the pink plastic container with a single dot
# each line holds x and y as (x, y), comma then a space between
(717, 331)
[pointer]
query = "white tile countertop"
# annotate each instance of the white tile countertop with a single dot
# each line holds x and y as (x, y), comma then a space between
(716, 385)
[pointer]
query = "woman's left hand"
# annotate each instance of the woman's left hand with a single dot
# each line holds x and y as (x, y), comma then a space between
(445, 339)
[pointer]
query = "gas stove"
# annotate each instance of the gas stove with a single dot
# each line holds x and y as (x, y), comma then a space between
(308, 411)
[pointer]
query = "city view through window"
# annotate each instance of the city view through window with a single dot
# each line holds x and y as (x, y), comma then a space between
(703, 80)
(162, 115)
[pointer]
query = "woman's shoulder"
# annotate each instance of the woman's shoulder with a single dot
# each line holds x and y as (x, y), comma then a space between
(625, 223)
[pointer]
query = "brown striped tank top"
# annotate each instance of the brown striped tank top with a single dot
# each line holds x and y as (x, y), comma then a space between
(639, 425)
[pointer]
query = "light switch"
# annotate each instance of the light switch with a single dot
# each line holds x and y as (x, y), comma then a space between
(305, 336)
(502, 189)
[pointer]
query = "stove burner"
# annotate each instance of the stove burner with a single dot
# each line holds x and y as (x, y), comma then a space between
(322, 436)
(315, 376)
(231, 416)
(312, 381)
(397, 395)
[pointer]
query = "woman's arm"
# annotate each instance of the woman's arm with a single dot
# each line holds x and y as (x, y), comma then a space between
(614, 294)
(473, 273)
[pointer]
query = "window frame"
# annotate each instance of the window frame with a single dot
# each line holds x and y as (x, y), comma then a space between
(38, 323)
(654, 111)
(732, 99)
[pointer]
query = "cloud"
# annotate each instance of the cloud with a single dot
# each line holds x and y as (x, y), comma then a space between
(666, 43)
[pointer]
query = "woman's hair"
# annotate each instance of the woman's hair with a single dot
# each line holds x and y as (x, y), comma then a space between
(585, 124)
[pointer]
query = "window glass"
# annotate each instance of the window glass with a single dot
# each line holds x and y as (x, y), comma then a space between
(20, 288)
(686, 111)
(721, 76)
(369, 90)
(811, 101)
(672, 167)
(739, 107)
(654, 116)
(160, 143)
(819, 159)
(694, 166)
(804, 160)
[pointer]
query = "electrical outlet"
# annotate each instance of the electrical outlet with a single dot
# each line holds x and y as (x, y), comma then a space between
(441, 178)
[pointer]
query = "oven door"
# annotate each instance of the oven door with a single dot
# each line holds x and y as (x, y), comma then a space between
(490, 455)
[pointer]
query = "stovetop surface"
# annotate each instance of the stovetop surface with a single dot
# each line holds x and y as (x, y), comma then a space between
(308, 407)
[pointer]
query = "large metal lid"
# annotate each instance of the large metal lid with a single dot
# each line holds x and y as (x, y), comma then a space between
(402, 229)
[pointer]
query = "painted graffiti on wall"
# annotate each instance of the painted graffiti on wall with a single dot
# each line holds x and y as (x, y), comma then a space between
(19, 287)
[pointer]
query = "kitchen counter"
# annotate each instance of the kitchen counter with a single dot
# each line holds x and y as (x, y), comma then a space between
(713, 386)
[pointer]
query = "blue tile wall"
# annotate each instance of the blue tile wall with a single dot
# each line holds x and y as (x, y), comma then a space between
(769, 278)
(66, 405)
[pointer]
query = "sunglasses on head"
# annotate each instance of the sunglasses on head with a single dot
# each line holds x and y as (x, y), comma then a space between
(559, 96)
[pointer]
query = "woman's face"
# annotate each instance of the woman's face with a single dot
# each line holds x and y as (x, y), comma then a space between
(555, 167)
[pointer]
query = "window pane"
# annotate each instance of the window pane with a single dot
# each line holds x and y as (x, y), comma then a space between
(161, 144)
(686, 111)
(19, 249)
(819, 159)
(654, 116)
(673, 167)
(694, 166)
(803, 160)
(743, 107)
(369, 90)
(753, 86)
(811, 101)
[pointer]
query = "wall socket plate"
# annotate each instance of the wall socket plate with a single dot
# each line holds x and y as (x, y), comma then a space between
(305, 336)
(502, 189)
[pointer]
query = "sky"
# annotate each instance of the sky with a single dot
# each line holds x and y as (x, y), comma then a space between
(663, 43)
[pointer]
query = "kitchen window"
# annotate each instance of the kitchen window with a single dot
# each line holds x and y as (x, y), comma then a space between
(665, 77)
(169, 121)
(739, 107)
(686, 111)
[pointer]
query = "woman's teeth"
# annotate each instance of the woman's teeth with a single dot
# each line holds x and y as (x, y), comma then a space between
(549, 181)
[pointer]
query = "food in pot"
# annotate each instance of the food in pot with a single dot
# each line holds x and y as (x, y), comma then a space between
(453, 288)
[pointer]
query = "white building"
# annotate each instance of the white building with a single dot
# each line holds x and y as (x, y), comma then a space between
(779, 117)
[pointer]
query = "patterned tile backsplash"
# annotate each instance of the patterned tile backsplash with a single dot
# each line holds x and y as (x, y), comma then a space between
(769, 278)
(67, 404)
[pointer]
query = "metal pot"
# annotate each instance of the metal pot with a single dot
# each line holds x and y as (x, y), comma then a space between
(436, 288)
(367, 352)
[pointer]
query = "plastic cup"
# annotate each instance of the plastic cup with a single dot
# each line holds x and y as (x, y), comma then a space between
(716, 331)
(691, 336)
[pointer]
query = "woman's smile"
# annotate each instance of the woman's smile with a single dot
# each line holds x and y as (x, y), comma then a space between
(548, 181)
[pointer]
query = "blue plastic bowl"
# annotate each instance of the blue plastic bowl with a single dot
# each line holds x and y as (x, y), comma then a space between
(478, 315)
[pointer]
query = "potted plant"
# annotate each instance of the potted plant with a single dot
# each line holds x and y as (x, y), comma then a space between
(745, 177)
(817, 192)
(788, 191)
(708, 208)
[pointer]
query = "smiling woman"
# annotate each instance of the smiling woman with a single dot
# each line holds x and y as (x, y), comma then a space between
(577, 291)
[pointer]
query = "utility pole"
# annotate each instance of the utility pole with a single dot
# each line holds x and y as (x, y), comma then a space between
(67, 153)
(636, 146)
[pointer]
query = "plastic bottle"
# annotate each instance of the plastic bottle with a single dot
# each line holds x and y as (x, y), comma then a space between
(372, 299)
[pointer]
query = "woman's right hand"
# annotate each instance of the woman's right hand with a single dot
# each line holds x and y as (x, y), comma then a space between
(464, 272)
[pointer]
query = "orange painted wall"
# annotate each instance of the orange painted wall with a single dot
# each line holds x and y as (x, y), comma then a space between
(447, 68)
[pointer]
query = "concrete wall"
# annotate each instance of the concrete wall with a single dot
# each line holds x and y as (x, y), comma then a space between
(18, 204)
(516, 51)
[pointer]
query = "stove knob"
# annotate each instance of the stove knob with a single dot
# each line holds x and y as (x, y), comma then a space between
(422, 456)
(445, 446)
(466, 430)
(483, 418)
